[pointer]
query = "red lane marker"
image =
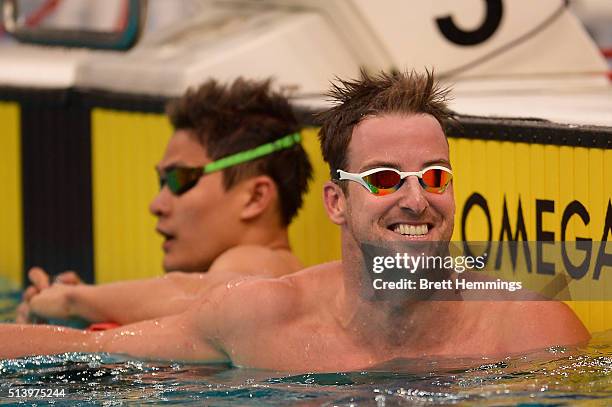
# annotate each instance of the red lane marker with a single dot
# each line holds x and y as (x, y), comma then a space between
(103, 326)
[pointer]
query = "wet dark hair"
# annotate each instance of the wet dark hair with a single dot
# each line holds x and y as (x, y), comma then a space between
(354, 100)
(230, 118)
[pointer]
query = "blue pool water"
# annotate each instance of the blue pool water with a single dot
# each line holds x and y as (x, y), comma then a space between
(554, 377)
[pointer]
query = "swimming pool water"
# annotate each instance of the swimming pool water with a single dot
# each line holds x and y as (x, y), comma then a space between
(553, 377)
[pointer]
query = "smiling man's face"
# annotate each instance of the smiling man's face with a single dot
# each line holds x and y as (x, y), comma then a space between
(407, 143)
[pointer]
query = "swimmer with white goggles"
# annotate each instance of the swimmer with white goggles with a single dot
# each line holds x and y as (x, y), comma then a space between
(384, 181)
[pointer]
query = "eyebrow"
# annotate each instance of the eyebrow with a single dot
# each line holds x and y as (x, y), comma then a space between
(375, 164)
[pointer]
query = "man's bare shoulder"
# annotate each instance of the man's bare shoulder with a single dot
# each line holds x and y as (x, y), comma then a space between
(289, 290)
(248, 304)
(540, 324)
(255, 260)
(328, 270)
(259, 301)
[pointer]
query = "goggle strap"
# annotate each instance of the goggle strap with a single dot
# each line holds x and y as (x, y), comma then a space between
(343, 176)
(257, 152)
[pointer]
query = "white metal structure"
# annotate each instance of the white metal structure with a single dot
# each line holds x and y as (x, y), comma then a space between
(519, 58)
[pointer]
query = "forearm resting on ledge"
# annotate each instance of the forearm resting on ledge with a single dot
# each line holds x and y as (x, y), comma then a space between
(164, 339)
(121, 302)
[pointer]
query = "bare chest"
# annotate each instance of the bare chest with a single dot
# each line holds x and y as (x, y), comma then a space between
(301, 346)
(313, 345)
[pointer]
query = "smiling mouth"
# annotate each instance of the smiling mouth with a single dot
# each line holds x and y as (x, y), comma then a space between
(405, 229)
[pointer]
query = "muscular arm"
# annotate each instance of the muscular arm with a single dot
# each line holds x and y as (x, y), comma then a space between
(139, 300)
(238, 323)
(531, 325)
(122, 302)
(185, 337)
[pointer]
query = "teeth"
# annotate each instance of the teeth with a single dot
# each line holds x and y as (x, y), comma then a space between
(411, 230)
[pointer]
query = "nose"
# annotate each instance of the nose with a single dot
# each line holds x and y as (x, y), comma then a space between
(161, 204)
(412, 196)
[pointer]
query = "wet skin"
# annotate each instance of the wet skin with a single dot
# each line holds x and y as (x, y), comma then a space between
(318, 319)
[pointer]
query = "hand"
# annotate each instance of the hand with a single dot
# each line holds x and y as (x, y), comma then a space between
(40, 281)
(68, 277)
(52, 302)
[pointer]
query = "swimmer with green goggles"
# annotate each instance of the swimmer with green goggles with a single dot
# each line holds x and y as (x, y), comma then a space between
(181, 179)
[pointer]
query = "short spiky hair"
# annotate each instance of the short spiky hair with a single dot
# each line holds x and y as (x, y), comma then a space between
(398, 92)
(227, 119)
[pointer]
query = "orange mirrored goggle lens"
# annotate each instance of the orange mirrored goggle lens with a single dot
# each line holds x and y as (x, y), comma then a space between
(435, 180)
(385, 182)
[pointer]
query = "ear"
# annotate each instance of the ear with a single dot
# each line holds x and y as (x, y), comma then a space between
(260, 193)
(335, 202)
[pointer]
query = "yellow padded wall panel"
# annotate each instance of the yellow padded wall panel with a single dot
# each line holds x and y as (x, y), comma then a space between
(530, 172)
(314, 238)
(125, 149)
(596, 314)
(124, 184)
(11, 238)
